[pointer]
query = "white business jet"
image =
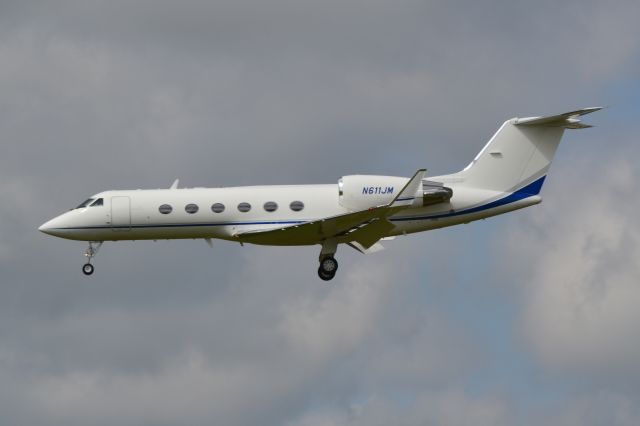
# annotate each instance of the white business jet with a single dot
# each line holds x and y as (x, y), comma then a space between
(360, 210)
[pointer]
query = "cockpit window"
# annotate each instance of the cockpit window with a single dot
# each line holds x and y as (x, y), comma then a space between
(97, 202)
(85, 204)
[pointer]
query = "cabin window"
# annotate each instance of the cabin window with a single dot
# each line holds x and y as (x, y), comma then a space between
(165, 209)
(270, 206)
(85, 204)
(191, 208)
(98, 202)
(217, 208)
(296, 206)
(244, 207)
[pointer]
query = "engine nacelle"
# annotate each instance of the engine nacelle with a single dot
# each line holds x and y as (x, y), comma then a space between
(360, 192)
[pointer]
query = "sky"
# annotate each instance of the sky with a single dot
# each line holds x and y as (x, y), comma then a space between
(526, 318)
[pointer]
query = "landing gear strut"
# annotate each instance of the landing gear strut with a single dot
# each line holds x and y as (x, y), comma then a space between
(92, 250)
(328, 264)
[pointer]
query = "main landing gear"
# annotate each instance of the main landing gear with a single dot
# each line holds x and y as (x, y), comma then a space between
(92, 250)
(328, 268)
(328, 263)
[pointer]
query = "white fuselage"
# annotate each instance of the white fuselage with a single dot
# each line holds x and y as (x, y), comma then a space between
(360, 210)
(135, 214)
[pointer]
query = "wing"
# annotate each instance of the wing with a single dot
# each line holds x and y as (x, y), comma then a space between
(364, 226)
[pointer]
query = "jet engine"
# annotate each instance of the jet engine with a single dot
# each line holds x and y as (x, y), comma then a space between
(360, 192)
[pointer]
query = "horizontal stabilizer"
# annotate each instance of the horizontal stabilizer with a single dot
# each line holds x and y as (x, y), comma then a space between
(568, 120)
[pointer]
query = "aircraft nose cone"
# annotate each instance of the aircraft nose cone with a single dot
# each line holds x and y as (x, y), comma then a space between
(67, 225)
(46, 227)
(54, 226)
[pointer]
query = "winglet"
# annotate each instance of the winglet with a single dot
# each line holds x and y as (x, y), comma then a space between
(406, 196)
(174, 185)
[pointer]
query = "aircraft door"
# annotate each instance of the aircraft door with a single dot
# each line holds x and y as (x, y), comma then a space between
(120, 213)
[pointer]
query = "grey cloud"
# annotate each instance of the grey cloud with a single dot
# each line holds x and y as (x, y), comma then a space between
(450, 407)
(267, 345)
(99, 95)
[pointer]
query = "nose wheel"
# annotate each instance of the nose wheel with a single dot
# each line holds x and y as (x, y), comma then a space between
(87, 269)
(92, 250)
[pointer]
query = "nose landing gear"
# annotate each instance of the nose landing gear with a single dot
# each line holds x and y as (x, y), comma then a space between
(92, 250)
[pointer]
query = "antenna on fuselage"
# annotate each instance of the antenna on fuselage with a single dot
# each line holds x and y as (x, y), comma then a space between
(174, 185)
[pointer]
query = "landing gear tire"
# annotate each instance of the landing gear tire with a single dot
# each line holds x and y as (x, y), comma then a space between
(87, 269)
(328, 268)
(324, 276)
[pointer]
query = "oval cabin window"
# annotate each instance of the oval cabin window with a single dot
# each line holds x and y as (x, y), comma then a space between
(165, 209)
(270, 206)
(244, 207)
(191, 208)
(296, 206)
(217, 208)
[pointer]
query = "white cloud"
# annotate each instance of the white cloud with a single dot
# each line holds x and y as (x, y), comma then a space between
(580, 271)
(342, 319)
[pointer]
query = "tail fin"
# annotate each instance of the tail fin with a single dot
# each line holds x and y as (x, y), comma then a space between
(521, 152)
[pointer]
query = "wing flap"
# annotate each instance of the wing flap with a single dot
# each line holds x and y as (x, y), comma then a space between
(373, 249)
(313, 231)
(369, 234)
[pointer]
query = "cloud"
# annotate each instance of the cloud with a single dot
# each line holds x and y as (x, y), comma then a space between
(602, 407)
(103, 95)
(579, 272)
(252, 345)
(448, 407)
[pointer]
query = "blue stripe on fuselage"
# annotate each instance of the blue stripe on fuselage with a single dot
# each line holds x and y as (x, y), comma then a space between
(525, 192)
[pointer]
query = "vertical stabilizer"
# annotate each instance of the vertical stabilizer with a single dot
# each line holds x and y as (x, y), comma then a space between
(520, 152)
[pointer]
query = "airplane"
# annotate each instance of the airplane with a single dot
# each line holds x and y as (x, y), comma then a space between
(360, 210)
